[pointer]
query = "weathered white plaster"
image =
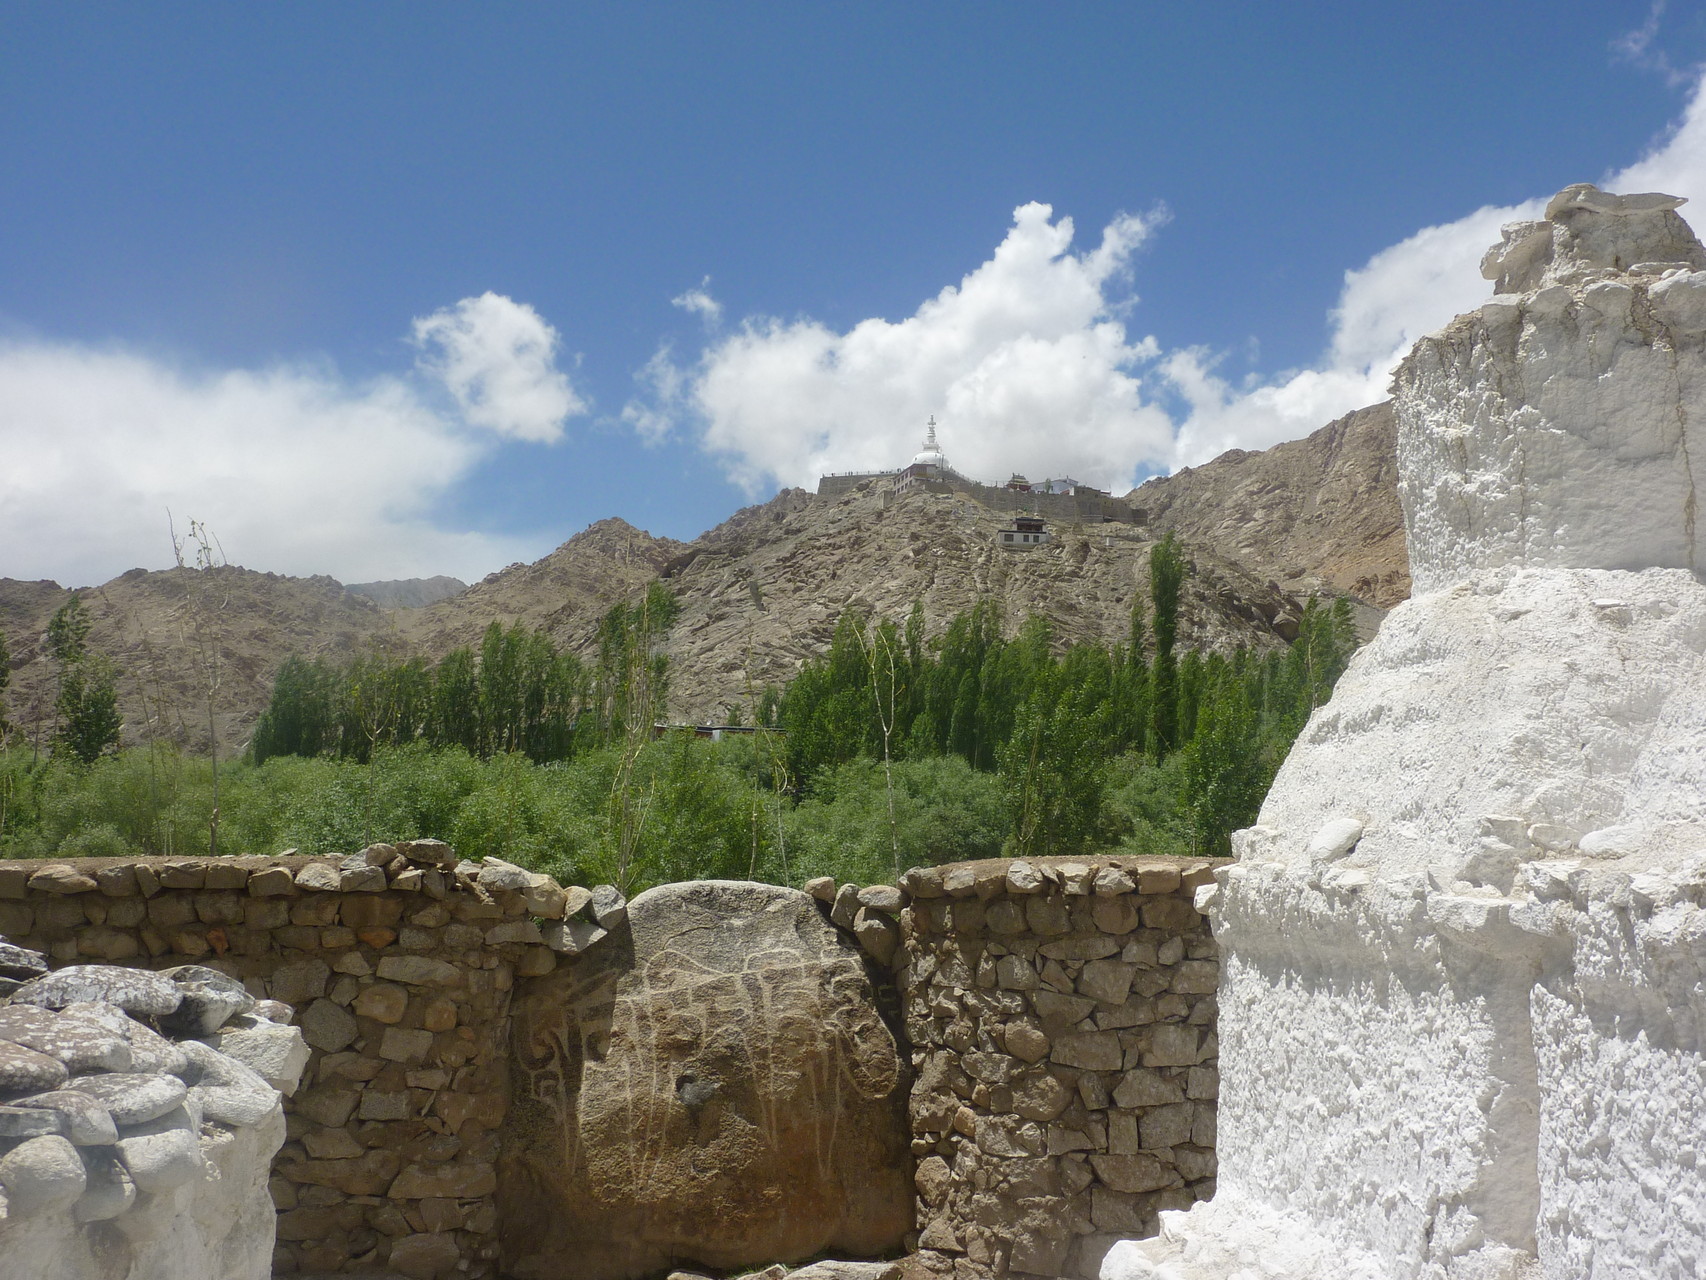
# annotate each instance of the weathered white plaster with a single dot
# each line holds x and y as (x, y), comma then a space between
(1463, 994)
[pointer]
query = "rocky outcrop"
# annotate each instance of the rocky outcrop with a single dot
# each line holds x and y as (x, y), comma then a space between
(1462, 948)
(711, 1084)
(126, 1154)
(1319, 514)
(408, 593)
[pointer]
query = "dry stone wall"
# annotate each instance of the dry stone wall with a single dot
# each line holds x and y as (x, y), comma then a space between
(1062, 1016)
(1057, 1017)
(399, 964)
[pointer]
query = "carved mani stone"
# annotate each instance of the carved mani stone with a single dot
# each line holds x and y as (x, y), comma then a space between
(712, 1084)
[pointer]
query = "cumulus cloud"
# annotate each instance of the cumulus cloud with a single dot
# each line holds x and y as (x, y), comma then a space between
(1398, 295)
(295, 469)
(497, 358)
(1026, 363)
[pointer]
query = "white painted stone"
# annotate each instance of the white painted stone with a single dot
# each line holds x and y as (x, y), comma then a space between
(1484, 1064)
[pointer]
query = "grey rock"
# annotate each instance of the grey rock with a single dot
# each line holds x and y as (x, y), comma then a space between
(877, 933)
(276, 1054)
(845, 906)
(133, 990)
(30, 1122)
(135, 1098)
(211, 999)
(322, 876)
(41, 1174)
(149, 1050)
(498, 874)
(881, 897)
(571, 937)
(108, 1190)
(26, 1071)
(87, 1122)
(609, 907)
(829, 1269)
(329, 1027)
(160, 1161)
(82, 1046)
(20, 962)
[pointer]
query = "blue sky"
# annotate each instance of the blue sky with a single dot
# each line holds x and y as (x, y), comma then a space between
(384, 289)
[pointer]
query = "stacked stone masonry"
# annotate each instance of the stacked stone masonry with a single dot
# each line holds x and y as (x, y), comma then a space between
(399, 964)
(1062, 1019)
(1060, 1015)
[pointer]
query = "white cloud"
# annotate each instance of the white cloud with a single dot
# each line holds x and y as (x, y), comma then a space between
(700, 302)
(1401, 293)
(497, 358)
(294, 469)
(1025, 363)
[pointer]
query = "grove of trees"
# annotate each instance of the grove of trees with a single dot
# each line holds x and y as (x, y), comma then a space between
(886, 751)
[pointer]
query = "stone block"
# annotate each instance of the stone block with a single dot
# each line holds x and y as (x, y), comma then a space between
(1114, 915)
(1120, 1213)
(1039, 1096)
(419, 971)
(328, 1107)
(1157, 879)
(299, 982)
(61, 878)
(1142, 1087)
(384, 1104)
(323, 877)
(171, 911)
(328, 1027)
(1196, 977)
(1172, 1045)
(1168, 1126)
(382, 1001)
(1133, 1173)
(321, 909)
(403, 1044)
(451, 1180)
(1093, 947)
(1169, 913)
(1026, 1041)
(117, 882)
(1108, 981)
(271, 882)
(1047, 915)
(1091, 1050)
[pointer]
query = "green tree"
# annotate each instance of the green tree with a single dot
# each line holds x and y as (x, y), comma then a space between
(301, 717)
(1166, 577)
(89, 722)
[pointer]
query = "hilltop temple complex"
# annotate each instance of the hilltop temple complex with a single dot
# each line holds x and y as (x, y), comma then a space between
(1064, 501)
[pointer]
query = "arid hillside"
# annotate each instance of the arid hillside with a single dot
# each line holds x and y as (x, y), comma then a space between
(761, 592)
(1317, 514)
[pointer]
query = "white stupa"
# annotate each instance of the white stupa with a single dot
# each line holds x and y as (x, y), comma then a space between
(931, 454)
(1463, 989)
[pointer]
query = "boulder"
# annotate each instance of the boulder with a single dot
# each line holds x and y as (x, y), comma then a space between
(711, 1085)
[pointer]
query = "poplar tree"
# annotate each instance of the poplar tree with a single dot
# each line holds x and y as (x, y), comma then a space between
(1166, 576)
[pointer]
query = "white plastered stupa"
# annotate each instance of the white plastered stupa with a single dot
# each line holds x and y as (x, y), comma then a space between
(1463, 999)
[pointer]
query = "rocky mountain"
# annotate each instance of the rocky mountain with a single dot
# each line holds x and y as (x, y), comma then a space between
(1315, 515)
(761, 592)
(408, 593)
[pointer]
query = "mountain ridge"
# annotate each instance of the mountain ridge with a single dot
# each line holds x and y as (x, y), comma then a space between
(760, 592)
